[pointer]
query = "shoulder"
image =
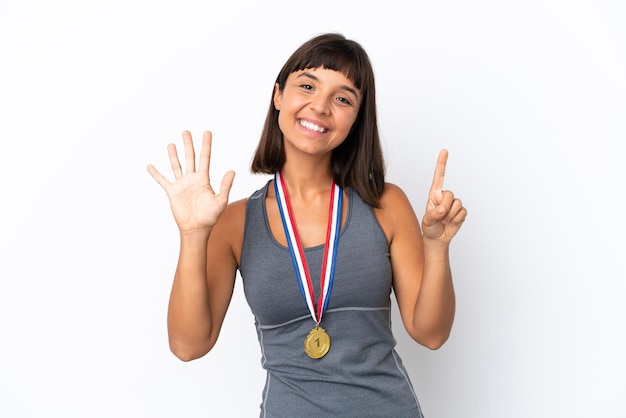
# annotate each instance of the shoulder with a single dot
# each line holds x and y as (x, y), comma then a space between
(393, 199)
(395, 212)
(234, 215)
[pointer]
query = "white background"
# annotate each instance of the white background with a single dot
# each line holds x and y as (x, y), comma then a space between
(528, 96)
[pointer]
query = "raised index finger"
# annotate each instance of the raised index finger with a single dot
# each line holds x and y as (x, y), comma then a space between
(440, 170)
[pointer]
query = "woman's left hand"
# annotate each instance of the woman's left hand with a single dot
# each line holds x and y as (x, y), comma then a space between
(445, 213)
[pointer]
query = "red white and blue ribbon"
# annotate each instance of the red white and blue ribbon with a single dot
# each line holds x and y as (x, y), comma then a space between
(297, 251)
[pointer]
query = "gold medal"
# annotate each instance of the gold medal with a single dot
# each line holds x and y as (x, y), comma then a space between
(317, 343)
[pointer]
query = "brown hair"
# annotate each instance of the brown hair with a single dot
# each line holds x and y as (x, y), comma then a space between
(358, 161)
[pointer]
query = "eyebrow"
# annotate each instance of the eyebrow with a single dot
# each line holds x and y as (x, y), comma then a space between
(343, 86)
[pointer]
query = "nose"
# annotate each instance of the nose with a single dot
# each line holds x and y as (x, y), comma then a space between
(321, 104)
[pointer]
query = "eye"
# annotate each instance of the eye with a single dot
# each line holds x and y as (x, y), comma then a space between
(306, 86)
(344, 101)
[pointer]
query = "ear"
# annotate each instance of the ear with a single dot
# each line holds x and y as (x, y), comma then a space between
(278, 96)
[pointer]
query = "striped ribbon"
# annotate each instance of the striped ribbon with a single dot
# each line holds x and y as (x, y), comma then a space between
(297, 252)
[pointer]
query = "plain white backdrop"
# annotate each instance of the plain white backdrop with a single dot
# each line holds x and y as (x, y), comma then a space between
(529, 97)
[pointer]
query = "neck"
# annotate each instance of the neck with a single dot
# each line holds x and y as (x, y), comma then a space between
(307, 180)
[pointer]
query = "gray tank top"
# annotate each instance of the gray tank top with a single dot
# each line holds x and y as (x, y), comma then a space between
(362, 375)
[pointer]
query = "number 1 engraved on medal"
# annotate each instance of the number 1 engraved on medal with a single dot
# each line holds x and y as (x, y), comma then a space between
(317, 343)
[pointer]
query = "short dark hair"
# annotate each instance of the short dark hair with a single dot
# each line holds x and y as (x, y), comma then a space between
(358, 161)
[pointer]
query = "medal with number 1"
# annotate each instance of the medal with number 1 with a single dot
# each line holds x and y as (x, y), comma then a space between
(317, 343)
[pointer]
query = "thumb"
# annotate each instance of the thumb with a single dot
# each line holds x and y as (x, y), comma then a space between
(433, 216)
(227, 183)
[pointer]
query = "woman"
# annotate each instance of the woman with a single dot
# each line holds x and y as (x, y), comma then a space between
(319, 248)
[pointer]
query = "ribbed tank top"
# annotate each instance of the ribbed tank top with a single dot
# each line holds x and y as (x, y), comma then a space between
(362, 375)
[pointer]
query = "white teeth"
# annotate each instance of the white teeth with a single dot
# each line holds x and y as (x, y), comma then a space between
(312, 126)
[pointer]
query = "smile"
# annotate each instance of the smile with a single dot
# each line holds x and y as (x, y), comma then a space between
(312, 126)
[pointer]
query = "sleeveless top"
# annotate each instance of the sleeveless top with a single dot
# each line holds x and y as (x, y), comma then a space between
(362, 374)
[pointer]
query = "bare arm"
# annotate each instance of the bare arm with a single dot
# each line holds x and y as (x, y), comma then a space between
(422, 276)
(201, 290)
(203, 285)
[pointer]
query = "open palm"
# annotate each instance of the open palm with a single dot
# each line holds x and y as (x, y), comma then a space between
(194, 203)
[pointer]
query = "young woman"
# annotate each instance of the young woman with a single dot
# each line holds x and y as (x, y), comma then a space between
(319, 247)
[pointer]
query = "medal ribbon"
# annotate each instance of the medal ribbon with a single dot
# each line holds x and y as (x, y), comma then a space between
(297, 252)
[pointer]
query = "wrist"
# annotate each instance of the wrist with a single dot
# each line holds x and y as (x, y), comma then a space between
(195, 235)
(436, 247)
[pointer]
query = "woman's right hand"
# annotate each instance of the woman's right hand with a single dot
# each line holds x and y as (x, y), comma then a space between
(196, 207)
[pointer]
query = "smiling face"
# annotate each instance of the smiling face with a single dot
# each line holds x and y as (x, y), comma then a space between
(317, 109)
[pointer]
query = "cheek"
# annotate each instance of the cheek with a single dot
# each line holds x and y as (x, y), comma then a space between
(283, 121)
(350, 123)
